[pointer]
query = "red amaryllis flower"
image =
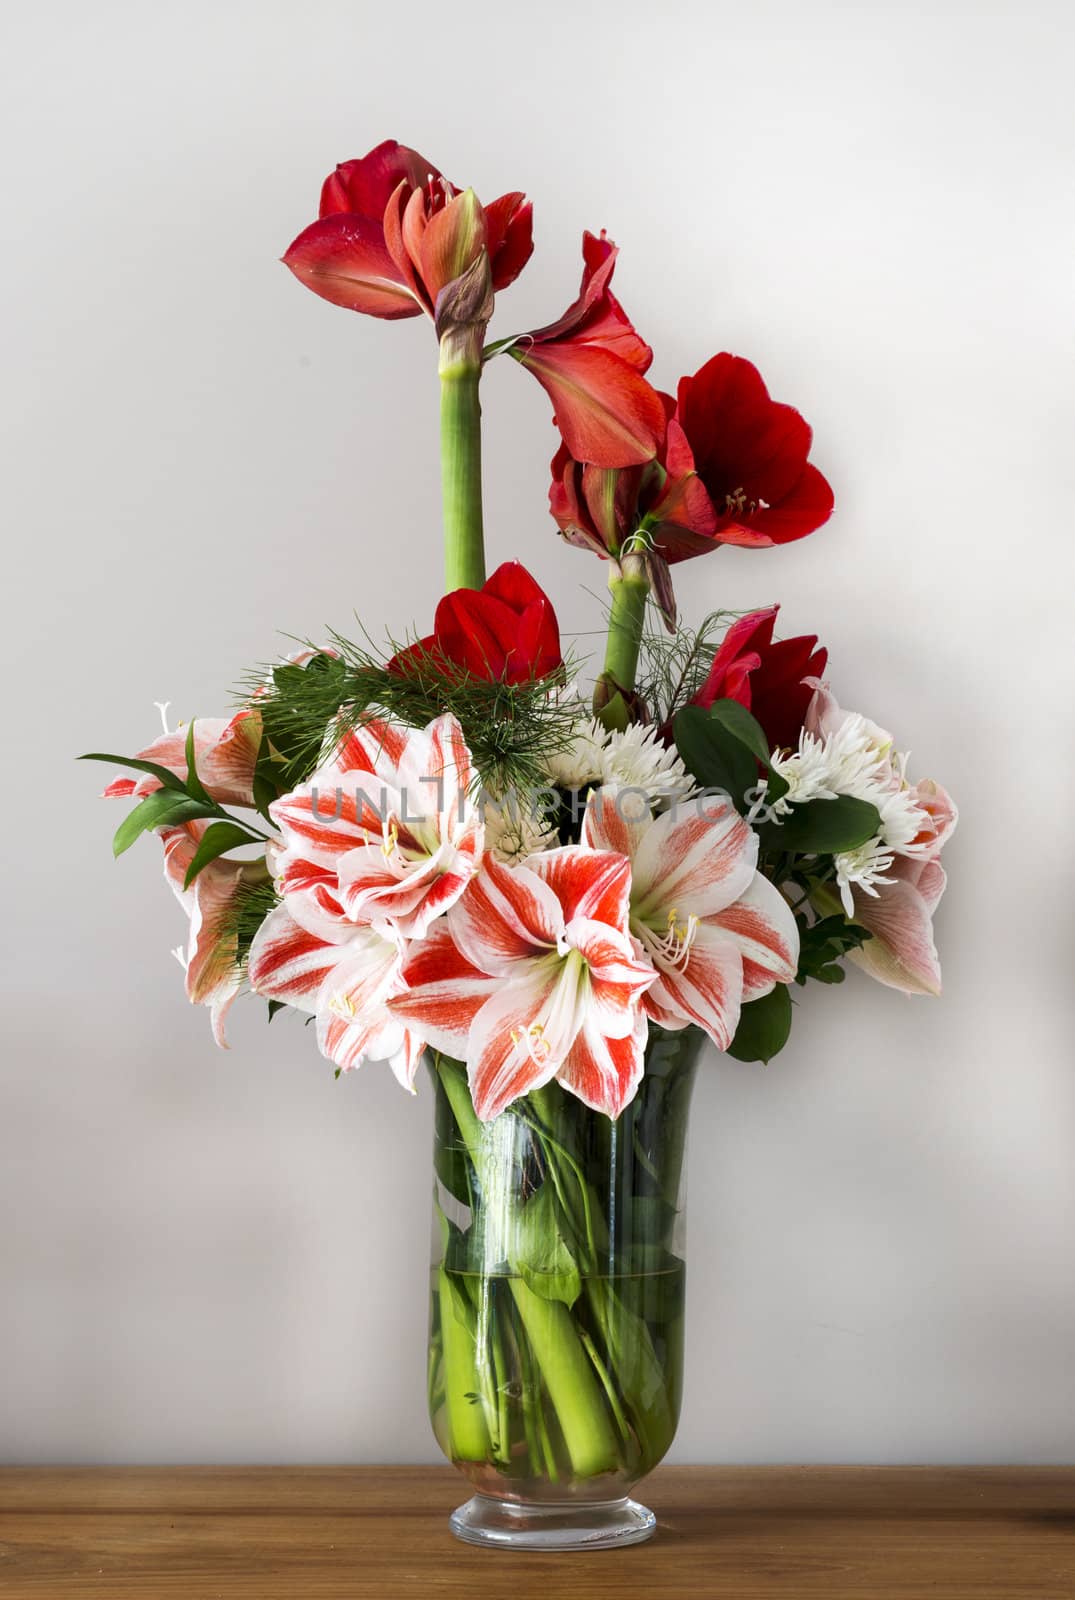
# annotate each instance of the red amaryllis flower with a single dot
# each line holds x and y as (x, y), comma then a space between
(732, 469)
(394, 234)
(506, 631)
(768, 678)
(590, 362)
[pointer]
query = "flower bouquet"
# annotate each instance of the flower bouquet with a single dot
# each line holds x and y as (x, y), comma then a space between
(444, 850)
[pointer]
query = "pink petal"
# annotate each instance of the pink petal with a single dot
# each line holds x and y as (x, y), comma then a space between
(901, 953)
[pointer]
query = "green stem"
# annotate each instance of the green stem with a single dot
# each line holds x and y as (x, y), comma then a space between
(461, 458)
(466, 1417)
(625, 623)
(551, 1334)
(570, 1380)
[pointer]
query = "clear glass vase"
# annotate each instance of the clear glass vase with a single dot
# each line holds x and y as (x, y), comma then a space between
(556, 1330)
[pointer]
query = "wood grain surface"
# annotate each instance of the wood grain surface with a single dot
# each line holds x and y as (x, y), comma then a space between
(380, 1533)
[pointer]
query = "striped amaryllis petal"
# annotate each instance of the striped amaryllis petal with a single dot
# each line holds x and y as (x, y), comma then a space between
(286, 962)
(606, 411)
(762, 925)
(507, 915)
(443, 991)
(603, 1072)
(434, 773)
(618, 974)
(225, 752)
(522, 1033)
(407, 897)
(345, 260)
(698, 857)
(616, 819)
(593, 885)
(901, 952)
(213, 977)
(347, 801)
(431, 843)
(347, 1044)
(705, 987)
(352, 1021)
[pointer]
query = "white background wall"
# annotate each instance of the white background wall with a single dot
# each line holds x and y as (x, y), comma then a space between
(221, 1257)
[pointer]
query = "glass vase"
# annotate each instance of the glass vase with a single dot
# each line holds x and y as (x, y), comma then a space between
(557, 1295)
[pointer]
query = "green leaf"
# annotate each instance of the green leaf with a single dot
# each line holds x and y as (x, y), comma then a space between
(168, 778)
(824, 827)
(217, 838)
(275, 1006)
(764, 1026)
(542, 1256)
(715, 757)
(163, 808)
(742, 726)
(195, 787)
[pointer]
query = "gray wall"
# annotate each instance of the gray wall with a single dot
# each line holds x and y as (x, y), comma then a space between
(221, 1257)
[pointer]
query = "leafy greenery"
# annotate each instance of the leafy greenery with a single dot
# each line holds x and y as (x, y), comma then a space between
(672, 668)
(307, 712)
(764, 1026)
(179, 800)
(823, 827)
(822, 945)
(723, 747)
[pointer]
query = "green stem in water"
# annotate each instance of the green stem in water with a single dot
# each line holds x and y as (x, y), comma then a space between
(568, 1375)
(461, 458)
(625, 624)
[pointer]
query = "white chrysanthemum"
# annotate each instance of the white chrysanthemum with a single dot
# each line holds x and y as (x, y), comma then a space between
(638, 759)
(579, 763)
(634, 759)
(513, 832)
(856, 759)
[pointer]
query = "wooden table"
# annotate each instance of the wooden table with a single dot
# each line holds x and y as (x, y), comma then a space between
(379, 1533)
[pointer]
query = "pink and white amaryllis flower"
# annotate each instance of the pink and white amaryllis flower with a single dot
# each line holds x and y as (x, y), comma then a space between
(213, 976)
(387, 830)
(343, 974)
(225, 752)
(717, 932)
(533, 975)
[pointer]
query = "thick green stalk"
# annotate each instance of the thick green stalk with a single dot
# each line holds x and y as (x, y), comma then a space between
(466, 1420)
(461, 458)
(625, 624)
(571, 1382)
(565, 1367)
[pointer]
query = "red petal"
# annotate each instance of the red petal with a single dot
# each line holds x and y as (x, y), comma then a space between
(607, 412)
(344, 259)
(509, 230)
(363, 186)
(805, 508)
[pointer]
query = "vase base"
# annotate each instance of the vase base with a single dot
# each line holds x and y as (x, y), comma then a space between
(564, 1525)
